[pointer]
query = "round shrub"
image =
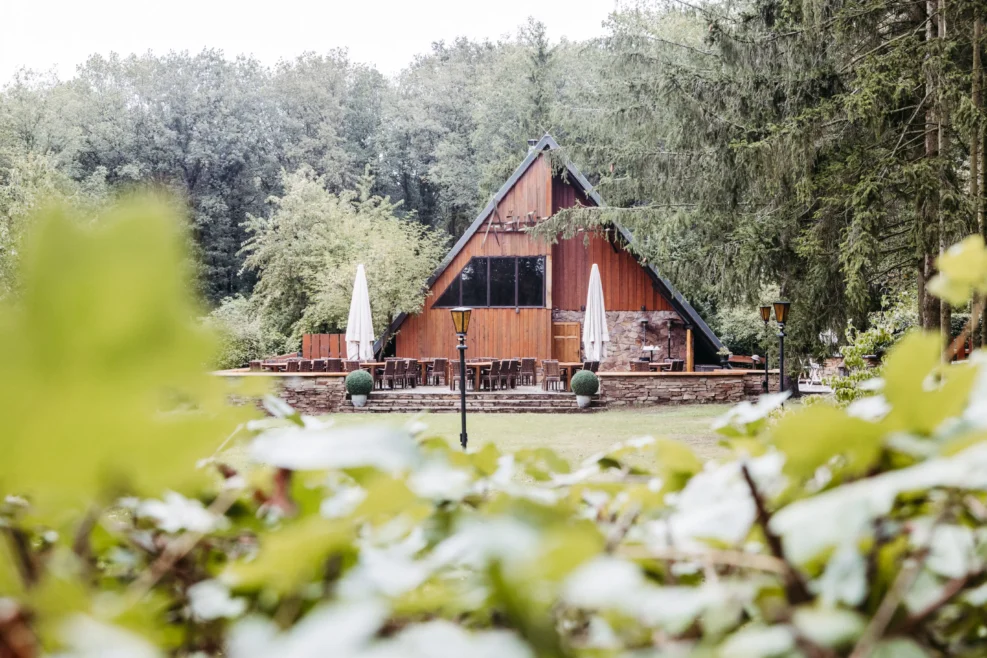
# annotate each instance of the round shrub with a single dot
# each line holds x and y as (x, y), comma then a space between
(359, 382)
(585, 382)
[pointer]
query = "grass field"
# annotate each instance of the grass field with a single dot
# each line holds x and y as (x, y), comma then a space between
(573, 436)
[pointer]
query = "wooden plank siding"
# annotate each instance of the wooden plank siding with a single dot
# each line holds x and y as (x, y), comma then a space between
(324, 346)
(527, 332)
(495, 332)
(626, 285)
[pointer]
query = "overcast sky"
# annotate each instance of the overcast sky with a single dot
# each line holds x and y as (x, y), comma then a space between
(42, 34)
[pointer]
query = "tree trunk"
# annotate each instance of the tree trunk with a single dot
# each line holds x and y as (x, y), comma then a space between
(945, 309)
(976, 143)
(931, 319)
(920, 296)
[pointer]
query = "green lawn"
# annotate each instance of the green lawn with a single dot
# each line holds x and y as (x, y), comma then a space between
(573, 436)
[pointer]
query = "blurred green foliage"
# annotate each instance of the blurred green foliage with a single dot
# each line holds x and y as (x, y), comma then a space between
(103, 386)
(143, 517)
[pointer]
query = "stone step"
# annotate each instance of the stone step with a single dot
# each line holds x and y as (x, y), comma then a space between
(385, 404)
(568, 399)
(376, 395)
(377, 409)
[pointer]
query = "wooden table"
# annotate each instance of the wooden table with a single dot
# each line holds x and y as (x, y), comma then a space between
(567, 369)
(475, 367)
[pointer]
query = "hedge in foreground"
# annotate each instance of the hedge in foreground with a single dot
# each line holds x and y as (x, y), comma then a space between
(824, 532)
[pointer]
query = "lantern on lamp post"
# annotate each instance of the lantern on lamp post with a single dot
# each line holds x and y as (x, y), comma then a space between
(781, 317)
(461, 321)
(766, 316)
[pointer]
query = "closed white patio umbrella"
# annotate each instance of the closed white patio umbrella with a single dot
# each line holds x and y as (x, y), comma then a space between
(360, 326)
(595, 334)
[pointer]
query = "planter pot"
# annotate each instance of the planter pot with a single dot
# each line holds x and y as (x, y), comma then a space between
(582, 401)
(358, 400)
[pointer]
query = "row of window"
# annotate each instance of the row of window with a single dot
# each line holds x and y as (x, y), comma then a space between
(509, 282)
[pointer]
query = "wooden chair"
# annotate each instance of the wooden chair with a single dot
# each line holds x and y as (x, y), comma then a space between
(387, 375)
(412, 374)
(352, 366)
(436, 371)
(318, 365)
(640, 366)
(334, 365)
(551, 375)
(491, 377)
(509, 373)
(527, 375)
(400, 370)
(454, 375)
(293, 365)
(305, 365)
(516, 371)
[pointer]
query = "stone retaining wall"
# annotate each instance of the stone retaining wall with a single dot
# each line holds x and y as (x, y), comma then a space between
(308, 393)
(754, 382)
(322, 393)
(641, 388)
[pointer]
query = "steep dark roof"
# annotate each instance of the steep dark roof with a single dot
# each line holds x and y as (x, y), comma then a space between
(548, 143)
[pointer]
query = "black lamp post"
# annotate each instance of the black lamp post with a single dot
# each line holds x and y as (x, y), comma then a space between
(461, 320)
(766, 316)
(781, 316)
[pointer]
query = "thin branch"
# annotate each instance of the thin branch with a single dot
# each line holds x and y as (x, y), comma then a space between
(81, 545)
(949, 592)
(895, 595)
(739, 559)
(884, 44)
(795, 589)
(879, 622)
(176, 550)
(21, 548)
(623, 527)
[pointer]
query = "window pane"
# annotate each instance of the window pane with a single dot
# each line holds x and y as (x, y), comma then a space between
(502, 282)
(531, 281)
(474, 279)
(451, 296)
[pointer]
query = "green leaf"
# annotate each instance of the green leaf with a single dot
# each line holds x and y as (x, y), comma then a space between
(813, 436)
(919, 401)
(106, 332)
(829, 627)
(962, 271)
(292, 556)
(759, 642)
(898, 648)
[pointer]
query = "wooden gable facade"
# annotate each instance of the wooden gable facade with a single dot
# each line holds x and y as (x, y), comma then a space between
(534, 193)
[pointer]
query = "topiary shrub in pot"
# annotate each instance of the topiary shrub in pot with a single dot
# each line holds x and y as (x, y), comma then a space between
(359, 383)
(584, 384)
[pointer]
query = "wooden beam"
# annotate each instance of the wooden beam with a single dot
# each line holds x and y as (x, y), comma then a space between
(690, 356)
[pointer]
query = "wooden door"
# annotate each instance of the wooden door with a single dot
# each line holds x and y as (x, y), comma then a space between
(565, 341)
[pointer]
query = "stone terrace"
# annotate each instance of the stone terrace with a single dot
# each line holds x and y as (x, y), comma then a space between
(321, 393)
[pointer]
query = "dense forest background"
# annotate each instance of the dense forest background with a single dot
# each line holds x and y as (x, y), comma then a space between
(822, 151)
